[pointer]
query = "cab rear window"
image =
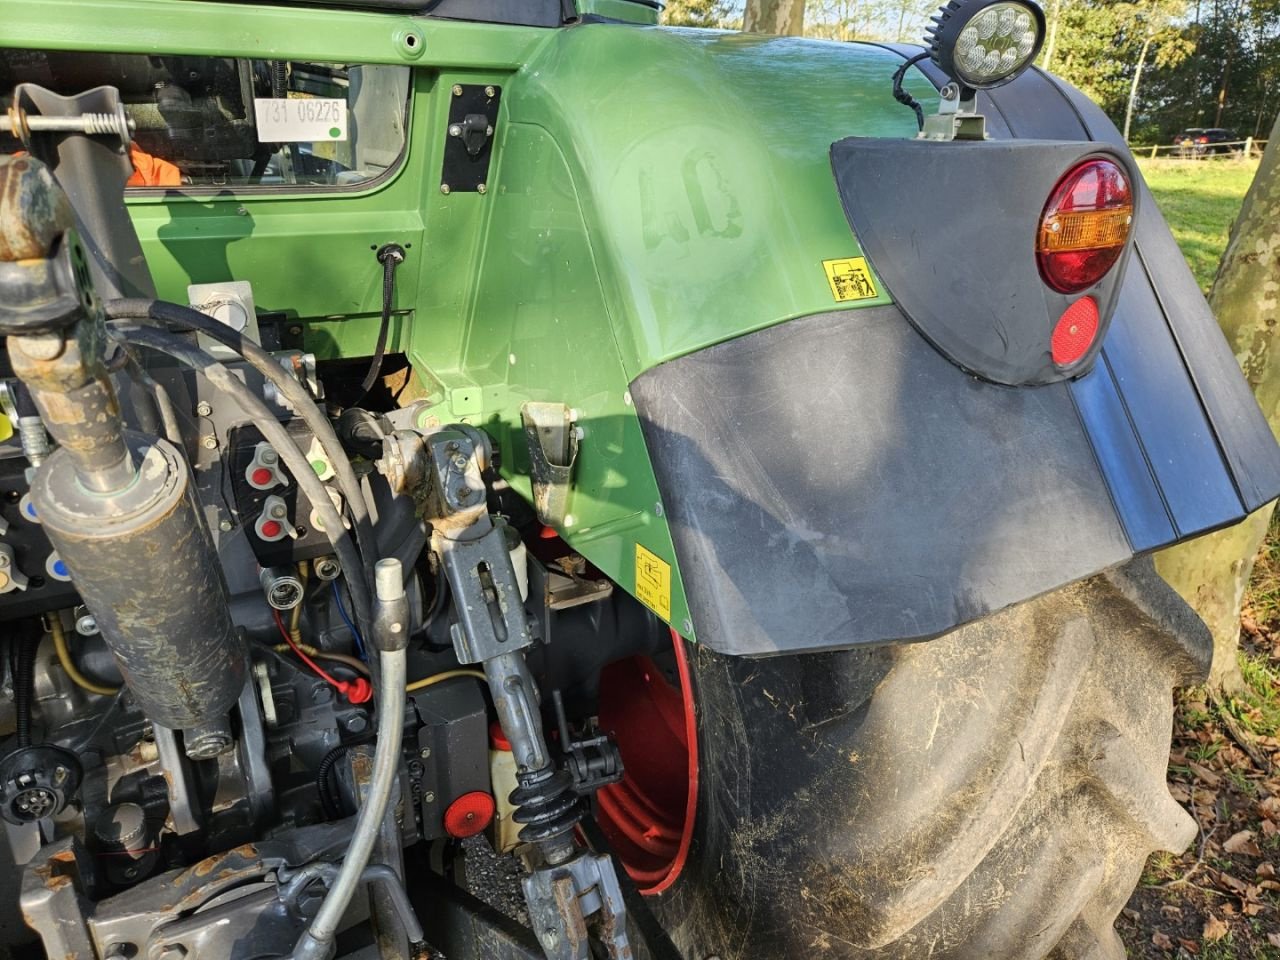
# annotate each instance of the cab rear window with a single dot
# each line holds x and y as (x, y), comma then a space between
(213, 122)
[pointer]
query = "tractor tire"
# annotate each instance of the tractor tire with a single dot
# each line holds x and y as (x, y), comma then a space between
(993, 793)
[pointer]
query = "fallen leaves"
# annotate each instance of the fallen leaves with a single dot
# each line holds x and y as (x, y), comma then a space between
(1214, 929)
(1221, 897)
(1243, 842)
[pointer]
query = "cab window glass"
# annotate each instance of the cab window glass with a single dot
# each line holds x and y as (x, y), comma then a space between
(226, 122)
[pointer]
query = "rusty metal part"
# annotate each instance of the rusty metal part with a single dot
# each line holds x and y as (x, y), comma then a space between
(178, 910)
(147, 570)
(567, 900)
(56, 333)
(69, 383)
(34, 212)
(43, 284)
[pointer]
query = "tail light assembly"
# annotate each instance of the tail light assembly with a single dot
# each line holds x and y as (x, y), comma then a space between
(1019, 297)
(1083, 230)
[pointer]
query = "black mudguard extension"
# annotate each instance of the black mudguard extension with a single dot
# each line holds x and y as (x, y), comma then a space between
(834, 481)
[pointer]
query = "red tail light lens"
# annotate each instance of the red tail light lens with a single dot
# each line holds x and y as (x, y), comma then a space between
(1084, 225)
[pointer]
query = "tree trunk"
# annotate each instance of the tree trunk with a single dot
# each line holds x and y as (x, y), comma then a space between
(1133, 90)
(774, 16)
(1222, 90)
(1211, 573)
(1055, 13)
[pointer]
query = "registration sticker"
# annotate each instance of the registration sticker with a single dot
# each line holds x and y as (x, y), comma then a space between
(653, 582)
(300, 120)
(850, 279)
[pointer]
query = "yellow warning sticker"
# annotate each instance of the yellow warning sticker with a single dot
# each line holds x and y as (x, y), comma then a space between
(850, 279)
(653, 582)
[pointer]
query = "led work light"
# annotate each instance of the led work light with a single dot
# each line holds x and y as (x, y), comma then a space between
(985, 43)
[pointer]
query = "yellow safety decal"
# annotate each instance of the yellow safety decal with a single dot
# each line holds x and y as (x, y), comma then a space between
(653, 582)
(6, 428)
(850, 279)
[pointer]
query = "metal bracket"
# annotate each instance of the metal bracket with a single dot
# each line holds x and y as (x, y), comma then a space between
(468, 142)
(553, 449)
(490, 614)
(957, 117)
(560, 900)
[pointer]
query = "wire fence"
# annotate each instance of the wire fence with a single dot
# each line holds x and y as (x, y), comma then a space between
(1197, 149)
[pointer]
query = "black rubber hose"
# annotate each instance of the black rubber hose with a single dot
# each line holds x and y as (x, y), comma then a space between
(24, 682)
(390, 255)
(901, 95)
(330, 802)
(160, 311)
(256, 410)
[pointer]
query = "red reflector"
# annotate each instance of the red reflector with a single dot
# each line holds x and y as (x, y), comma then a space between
(1073, 336)
(1084, 226)
(262, 476)
(469, 814)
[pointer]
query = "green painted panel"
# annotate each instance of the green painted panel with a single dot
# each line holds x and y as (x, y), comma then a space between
(263, 31)
(701, 159)
(540, 331)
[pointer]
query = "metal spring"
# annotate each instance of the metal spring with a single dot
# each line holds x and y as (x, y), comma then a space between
(20, 123)
(103, 123)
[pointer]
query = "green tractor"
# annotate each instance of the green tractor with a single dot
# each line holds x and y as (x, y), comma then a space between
(501, 479)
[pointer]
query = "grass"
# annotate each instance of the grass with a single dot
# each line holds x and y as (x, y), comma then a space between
(1200, 199)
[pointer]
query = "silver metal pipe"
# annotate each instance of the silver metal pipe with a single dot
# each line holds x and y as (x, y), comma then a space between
(317, 942)
(90, 123)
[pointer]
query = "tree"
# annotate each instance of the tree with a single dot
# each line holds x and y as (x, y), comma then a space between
(1211, 572)
(1158, 23)
(1102, 46)
(774, 16)
(698, 13)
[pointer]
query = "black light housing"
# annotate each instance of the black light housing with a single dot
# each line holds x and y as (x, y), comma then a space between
(985, 43)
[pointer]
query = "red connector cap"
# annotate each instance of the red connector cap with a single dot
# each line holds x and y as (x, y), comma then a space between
(358, 690)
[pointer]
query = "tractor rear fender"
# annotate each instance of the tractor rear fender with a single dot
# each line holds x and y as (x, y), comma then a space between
(835, 480)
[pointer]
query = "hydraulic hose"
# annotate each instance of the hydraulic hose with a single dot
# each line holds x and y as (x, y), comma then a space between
(256, 410)
(63, 651)
(295, 881)
(390, 255)
(160, 311)
(390, 634)
(317, 942)
(24, 687)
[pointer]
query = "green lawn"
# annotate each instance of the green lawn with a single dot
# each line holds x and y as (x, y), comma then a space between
(1200, 200)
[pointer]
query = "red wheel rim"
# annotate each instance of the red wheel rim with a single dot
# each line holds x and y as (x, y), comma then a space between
(648, 816)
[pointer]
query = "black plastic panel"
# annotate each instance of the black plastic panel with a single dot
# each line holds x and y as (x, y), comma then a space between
(971, 230)
(1173, 314)
(835, 481)
(463, 171)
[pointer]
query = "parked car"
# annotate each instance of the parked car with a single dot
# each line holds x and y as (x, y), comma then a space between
(1196, 142)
